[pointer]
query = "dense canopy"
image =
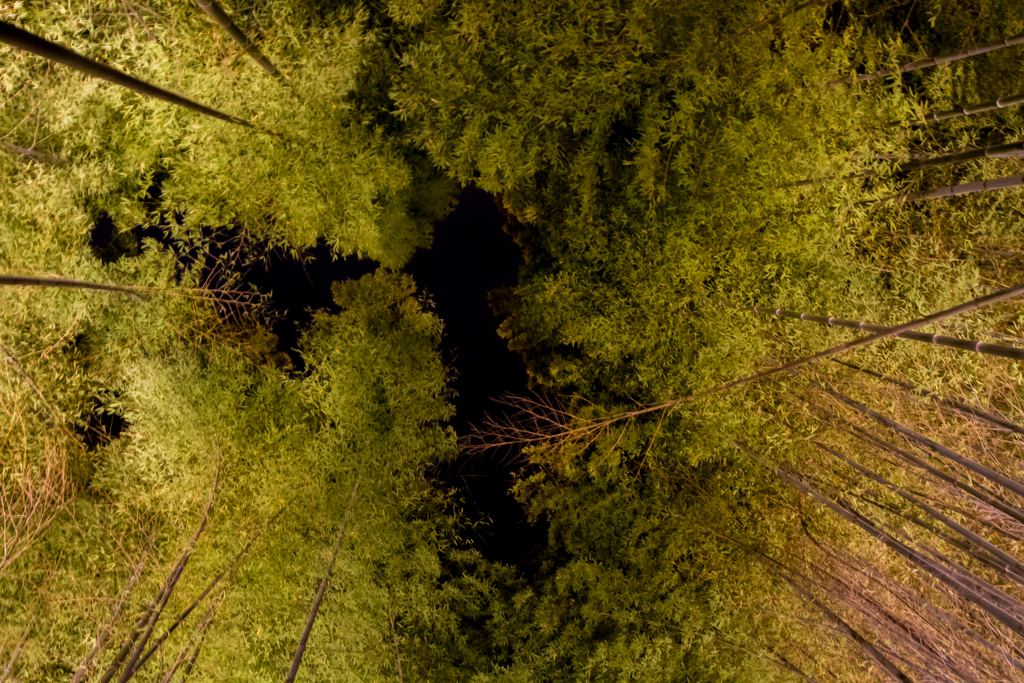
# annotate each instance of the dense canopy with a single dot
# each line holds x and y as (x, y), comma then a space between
(705, 194)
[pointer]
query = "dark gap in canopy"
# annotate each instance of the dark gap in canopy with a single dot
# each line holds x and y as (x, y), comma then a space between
(471, 257)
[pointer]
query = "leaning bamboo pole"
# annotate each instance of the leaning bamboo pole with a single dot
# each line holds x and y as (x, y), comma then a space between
(948, 453)
(938, 339)
(228, 570)
(19, 281)
(1009, 151)
(218, 16)
(952, 190)
(968, 110)
(974, 589)
(23, 40)
(32, 154)
(928, 62)
(315, 609)
(952, 404)
(1006, 563)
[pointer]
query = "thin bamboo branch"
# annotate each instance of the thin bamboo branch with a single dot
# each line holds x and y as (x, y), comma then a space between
(928, 62)
(301, 650)
(394, 640)
(24, 151)
(16, 654)
(23, 40)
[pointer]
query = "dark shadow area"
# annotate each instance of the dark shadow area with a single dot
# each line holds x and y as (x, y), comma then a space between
(299, 287)
(471, 256)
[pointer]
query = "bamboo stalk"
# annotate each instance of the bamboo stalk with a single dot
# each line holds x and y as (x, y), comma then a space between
(975, 304)
(217, 16)
(928, 62)
(230, 569)
(905, 593)
(1008, 560)
(790, 576)
(16, 654)
(48, 158)
(23, 40)
(131, 665)
(951, 403)
(952, 190)
(970, 110)
(937, 339)
(301, 650)
(83, 669)
(18, 281)
(974, 594)
(963, 461)
(1009, 151)
(982, 496)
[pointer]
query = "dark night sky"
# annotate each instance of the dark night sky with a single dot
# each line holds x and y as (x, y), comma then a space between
(471, 256)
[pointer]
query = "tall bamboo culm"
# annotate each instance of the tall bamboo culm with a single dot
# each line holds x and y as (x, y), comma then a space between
(969, 110)
(1009, 151)
(938, 339)
(23, 40)
(217, 16)
(929, 62)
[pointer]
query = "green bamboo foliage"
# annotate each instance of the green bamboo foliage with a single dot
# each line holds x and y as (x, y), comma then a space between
(929, 62)
(217, 16)
(779, 16)
(23, 40)
(938, 339)
(1009, 151)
